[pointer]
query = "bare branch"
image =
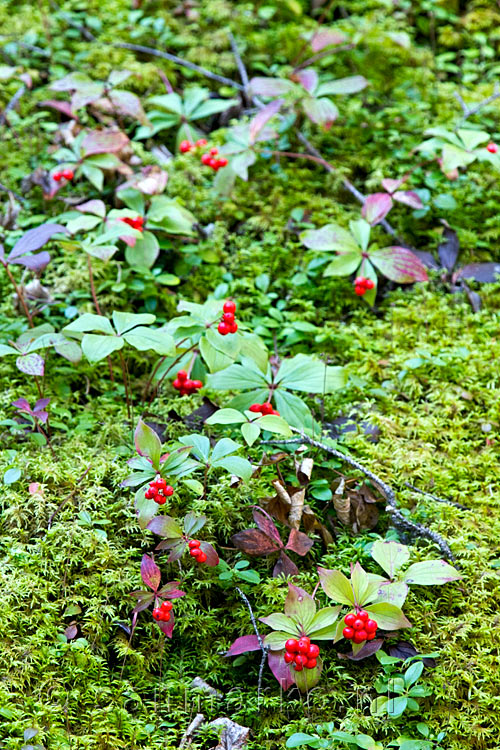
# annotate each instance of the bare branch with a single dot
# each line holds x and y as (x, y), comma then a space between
(436, 497)
(259, 638)
(469, 111)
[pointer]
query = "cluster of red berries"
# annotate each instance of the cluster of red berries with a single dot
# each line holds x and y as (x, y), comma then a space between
(359, 627)
(362, 284)
(196, 552)
(227, 322)
(68, 174)
(158, 491)
(210, 159)
(186, 146)
(137, 223)
(302, 653)
(185, 385)
(264, 409)
(492, 148)
(162, 613)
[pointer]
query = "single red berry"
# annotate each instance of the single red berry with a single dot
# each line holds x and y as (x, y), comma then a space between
(267, 408)
(68, 174)
(298, 667)
(300, 660)
(310, 663)
(169, 490)
(228, 318)
(156, 613)
(195, 552)
(201, 142)
(57, 176)
(222, 162)
(292, 645)
(197, 384)
(182, 375)
(213, 151)
(160, 499)
(359, 290)
(313, 651)
(229, 306)
(223, 329)
(161, 484)
(185, 146)
(165, 616)
(167, 606)
(492, 148)
(213, 162)
(358, 624)
(233, 328)
(363, 615)
(276, 413)
(348, 633)
(149, 494)
(349, 619)
(304, 644)
(201, 558)
(369, 284)
(371, 626)
(370, 636)
(360, 636)
(177, 384)
(194, 543)
(289, 657)
(206, 159)
(254, 408)
(188, 385)
(359, 281)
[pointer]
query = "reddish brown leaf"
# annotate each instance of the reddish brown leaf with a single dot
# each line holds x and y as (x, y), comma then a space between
(212, 556)
(448, 250)
(168, 627)
(265, 524)
(370, 648)
(60, 106)
(284, 566)
(71, 631)
(243, 644)
(254, 542)
(280, 669)
(299, 542)
(150, 572)
(103, 142)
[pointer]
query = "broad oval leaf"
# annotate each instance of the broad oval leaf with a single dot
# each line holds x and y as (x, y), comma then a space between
(34, 239)
(330, 237)
(279, 621)
(390, 556)
(388, 616)
(431, 573)
(166, 527)
(254, 542)
(376, 207)
(97, 348)
(336, 586)
(324, 618)
(150, 339)
(270, 86)
(103, 142)
(399, 264)
(147, 443)
(226, 416)
(31, 364)
(150, 572)
(348, 85)
(320, 111)
(243, 644)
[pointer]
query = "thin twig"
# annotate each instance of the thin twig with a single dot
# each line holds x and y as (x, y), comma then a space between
(436, 497)
(20, 295)
(191, 729)
(179, 61)
(88, 35)
(324, 53)
(11, 104)
(239, 62)
(469, 111)
(5, 189)
(259, 638)
(68, 497)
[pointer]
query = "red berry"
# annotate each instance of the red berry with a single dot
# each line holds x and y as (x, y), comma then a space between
(222, 162)
(349, 619)
(156, 613)
(363, 615)
(213, 151)
(276, 413)
(188, 385)
(228, 318)
(369, 284)
(313, 651)
(213, 162)
(491, 147)
(167, 606)
(160, 499)
(298, 667)
(201, 558)
(223, 329)
(370, 636)
(206, 159)
(57, 176)
(310, 663)
(165, 616)
(292, 645)
(149, 494)
(194, 543)
(177, 384)
(359, 281)
(229, 306)
(68, 174)
(254, 408)
(267, 408)
(185, 146)
(182, 375)
(371, 626)
(197, 384)
(201, 142)
(304, 644)
(359, 290)
(161, 484)
(288, 657)
(195, 552)
(348, 633)
(300, 660)
(358, 624)
(169, 490)
(233, 328)
(360, 636)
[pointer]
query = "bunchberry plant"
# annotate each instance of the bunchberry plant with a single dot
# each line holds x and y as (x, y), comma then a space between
(159, 596)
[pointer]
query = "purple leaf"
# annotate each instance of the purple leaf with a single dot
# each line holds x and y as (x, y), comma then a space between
(399, 264)
(35, 239)
(405, 650)
(96, 207)
(408, 197)
(35, 263)
(103, 142)
(167, 628)
(370, 648)
(150, 572)
(212, 556)
(165, 526)
(60, 106)
(270, 86)
(308, 78)
(426, 258)
(376, 207)
(144, 602)
(243, 644)
(484, 272)
(266, 524)
(448, 250)
(391, 185)
(284, 566)
(31, 364)
(170, 591)
(299, 542)
(326, 38)
(23, 405)
(263, 117)
(254, 542)
(128, 104)
(280, 669)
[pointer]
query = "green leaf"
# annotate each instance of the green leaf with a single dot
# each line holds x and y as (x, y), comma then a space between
(343, 265)
(236, 377)
(388, 616)
(396, 706)
(223, 448)
(299, 738)
(276, 640)
(125, 321)
(275, 424)
(94, 175)
(12, 475)
(472, 138)
(413, 673)
(226, 416)
(250, 432)
(96, 347)
(330, 237)
(147, 443)
(166, 527)
(240, 467)
(348, 85)
(336, 586)
(378, 706)
(281, 622)
(308, 678)
(252, 347)
(293, 409)
(151, 339)
(323, 619)
(193, 523)
(454, 157)
(214, 358)
(200, 445)
(90, 322)
(391, 556)
(171, 216)
(304, 373)
(431, 573)
(144, 252)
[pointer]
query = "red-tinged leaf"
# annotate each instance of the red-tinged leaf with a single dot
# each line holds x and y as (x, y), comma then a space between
(408, 197)
(308, 78)
(321, 111)
(170, 591)
(165, 526)
(299, 542)
(266, 524)
(483, 272)
(399, 264)
(391, 185)
(370, 648)
(263, 117)
(243, 644)
(280, 669)
(35, 239)
(448, 250)
(284, 566)
(167, 628)
(427, 259)
(376, 207)
(144, 602)
(254, 542)
(147, 443)
(300, 605)
(103, 142)
(128, 104)
(96, 207)
(270, 86)
(35, 263)
(31, 364)
(326, 38)
(212, 556)
(150, 572)
(177, 549)
(22, 404)
(61, 106)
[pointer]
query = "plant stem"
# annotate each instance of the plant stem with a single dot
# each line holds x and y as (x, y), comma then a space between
(47, 438)
(98, 310)
(125, 383)
(20, 295)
